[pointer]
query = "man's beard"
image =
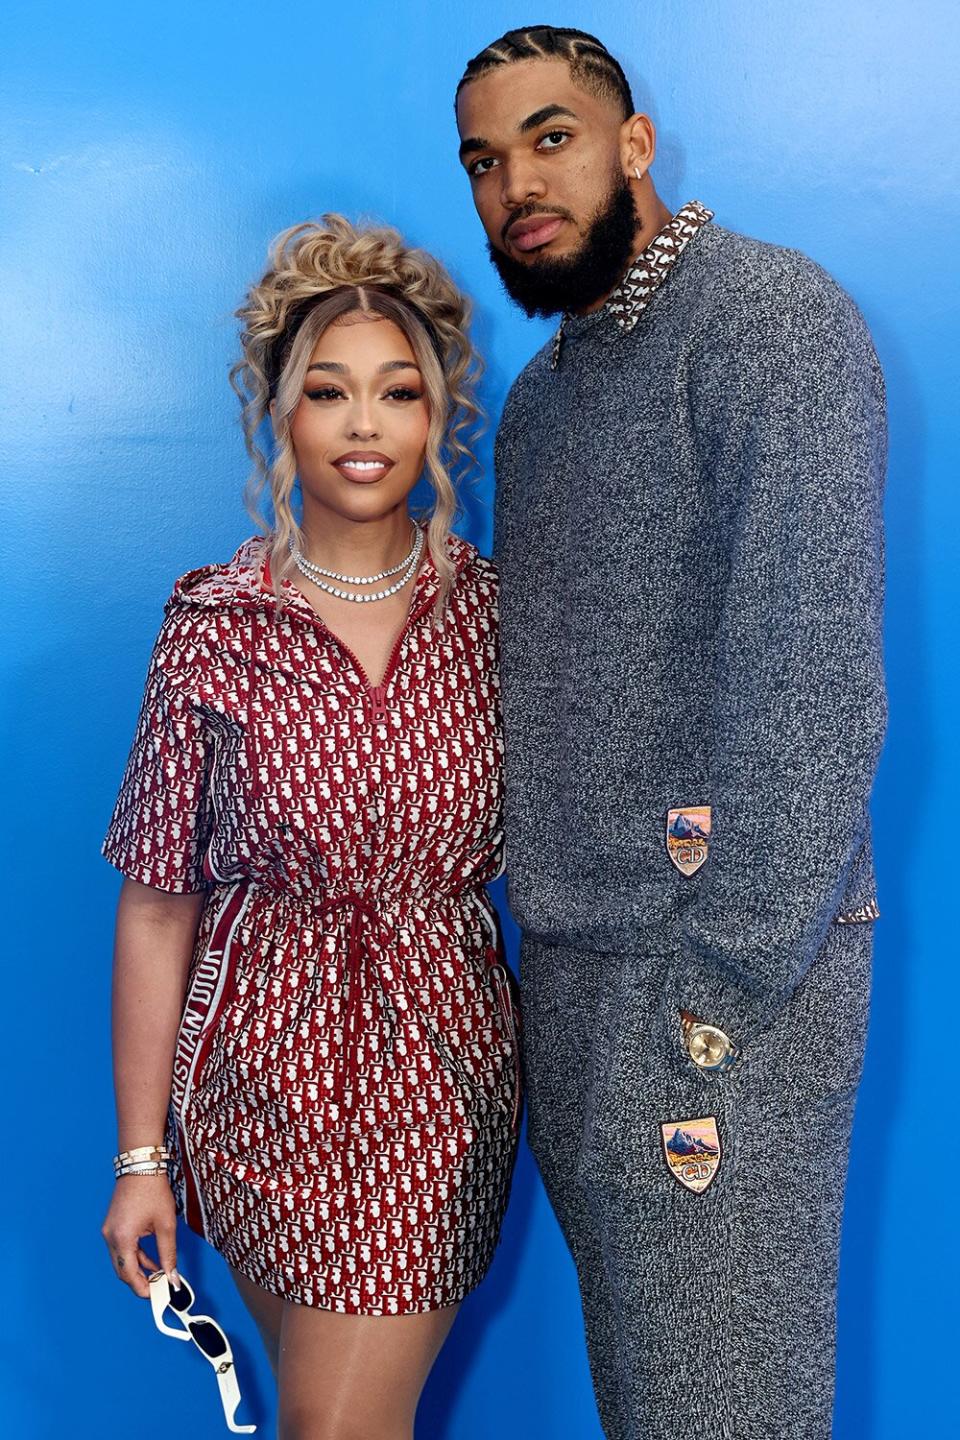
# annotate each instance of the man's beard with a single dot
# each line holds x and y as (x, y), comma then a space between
(575, 282)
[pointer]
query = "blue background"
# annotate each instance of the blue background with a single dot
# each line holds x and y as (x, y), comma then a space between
(148, 155)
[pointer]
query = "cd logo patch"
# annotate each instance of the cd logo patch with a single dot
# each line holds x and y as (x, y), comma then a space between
(688, 837)
(691, 1149)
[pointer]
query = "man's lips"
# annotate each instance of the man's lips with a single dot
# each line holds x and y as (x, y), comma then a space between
(363, 466)
(538, 230)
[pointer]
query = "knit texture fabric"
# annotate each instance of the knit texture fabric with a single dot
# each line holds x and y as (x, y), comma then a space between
(688, 532)
(708, 1314)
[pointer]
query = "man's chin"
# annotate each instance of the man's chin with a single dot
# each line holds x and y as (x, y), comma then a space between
(537, 283)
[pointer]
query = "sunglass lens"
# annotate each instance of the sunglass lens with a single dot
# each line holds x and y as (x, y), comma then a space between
(183, 1298)
(209, 1338)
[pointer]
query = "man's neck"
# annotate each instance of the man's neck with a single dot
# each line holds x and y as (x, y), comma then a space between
(652, 220)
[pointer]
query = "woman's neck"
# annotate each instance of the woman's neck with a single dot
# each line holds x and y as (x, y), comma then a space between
(356, 547)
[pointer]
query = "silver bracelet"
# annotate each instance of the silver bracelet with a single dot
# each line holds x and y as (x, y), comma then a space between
(141, 1167)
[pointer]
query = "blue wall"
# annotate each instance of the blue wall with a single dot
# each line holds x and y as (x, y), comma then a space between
(147, 156)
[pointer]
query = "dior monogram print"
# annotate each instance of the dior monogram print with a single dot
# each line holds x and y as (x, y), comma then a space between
(345, 1088)
(648, 272)
(870, 910)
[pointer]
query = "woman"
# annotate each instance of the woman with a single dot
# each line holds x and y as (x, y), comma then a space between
(308, 970)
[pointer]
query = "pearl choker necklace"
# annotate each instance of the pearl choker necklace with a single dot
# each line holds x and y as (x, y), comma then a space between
(316, 573)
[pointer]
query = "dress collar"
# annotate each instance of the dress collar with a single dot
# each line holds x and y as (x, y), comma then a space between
(246, 581)
(647, 273)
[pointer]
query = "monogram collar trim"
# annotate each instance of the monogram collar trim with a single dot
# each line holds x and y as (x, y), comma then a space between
(647, 273)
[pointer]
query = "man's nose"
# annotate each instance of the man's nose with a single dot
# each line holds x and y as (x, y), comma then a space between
(520, 182)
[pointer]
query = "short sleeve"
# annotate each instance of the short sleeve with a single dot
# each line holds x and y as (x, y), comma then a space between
(160, 826)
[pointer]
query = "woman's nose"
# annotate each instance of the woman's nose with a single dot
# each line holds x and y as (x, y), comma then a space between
(362, 423)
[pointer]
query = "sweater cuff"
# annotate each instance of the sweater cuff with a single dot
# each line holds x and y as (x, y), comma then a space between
(728, 999)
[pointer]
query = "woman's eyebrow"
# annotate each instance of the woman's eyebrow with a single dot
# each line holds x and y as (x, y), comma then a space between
(334, 367)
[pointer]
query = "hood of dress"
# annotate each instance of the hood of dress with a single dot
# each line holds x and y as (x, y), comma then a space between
(245, 580)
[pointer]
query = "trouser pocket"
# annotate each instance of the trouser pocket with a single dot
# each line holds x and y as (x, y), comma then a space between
(812, 1051)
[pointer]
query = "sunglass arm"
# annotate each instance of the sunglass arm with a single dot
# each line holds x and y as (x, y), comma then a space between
(230, 1396)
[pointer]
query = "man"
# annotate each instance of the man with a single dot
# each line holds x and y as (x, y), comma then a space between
(688, 530)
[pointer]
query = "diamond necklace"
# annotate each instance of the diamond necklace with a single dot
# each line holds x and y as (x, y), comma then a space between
(306, 566)
(313, 573)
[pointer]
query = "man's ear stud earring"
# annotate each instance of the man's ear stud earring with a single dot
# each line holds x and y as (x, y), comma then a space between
(636, 171)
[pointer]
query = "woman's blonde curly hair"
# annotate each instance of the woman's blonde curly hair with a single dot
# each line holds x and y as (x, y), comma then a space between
(319, 272)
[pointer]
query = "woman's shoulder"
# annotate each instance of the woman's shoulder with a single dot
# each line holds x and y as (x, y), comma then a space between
(482, 571)
(476, 584)
(468, 563)
(204, 603)
(223, 583)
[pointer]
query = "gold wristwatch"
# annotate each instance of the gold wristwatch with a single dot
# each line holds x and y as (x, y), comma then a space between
(708, 1047)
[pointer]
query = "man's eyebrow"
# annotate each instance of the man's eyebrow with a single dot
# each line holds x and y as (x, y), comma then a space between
(468, 147)
(539, 117)
(333, 367)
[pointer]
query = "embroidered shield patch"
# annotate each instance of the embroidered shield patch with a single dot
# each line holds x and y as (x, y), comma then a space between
(691, 1149)
(688, 837)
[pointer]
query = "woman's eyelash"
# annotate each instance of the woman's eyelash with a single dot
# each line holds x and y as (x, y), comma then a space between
(330, 392)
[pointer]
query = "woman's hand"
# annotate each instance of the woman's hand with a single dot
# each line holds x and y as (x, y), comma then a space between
(141, 1205)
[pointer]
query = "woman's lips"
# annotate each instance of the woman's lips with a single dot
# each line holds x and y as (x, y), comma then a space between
(363, 469)
(530, 237)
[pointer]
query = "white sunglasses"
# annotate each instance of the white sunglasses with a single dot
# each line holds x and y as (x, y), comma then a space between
(206, 1334)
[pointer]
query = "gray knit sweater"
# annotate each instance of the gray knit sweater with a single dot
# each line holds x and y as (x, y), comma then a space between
(688, 531)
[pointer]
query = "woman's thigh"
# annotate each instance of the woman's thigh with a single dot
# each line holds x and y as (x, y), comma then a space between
(343, 1377)
(267, 1312)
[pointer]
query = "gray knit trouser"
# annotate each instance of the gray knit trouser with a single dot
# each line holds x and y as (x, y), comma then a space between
(713, 1313)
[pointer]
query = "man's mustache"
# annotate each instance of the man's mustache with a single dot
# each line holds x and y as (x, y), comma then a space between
(526, 212)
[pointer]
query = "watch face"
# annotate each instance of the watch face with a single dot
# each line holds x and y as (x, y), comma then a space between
(709, 1047)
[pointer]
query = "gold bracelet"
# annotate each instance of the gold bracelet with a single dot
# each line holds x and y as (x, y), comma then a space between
(143, 1167)
(141, 1153)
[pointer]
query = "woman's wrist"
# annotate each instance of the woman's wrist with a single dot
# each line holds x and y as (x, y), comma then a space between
(142, 1160)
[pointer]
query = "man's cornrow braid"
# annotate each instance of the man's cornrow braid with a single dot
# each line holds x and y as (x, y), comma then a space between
(590, 62)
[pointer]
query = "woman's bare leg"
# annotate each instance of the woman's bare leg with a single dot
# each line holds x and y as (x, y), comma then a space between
(267, 1312)
(355, 1377)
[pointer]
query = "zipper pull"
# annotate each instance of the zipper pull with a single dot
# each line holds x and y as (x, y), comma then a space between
(378, 702)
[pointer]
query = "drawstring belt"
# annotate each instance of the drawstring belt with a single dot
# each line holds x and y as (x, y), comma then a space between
(347, 1069)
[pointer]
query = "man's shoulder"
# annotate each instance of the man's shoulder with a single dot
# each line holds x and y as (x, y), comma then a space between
(532, 375)
(739, 277)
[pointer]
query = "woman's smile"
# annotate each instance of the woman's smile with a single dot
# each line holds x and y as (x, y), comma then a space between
(363, 467)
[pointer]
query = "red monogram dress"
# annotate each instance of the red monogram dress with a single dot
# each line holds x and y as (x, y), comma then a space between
(345, 1090)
